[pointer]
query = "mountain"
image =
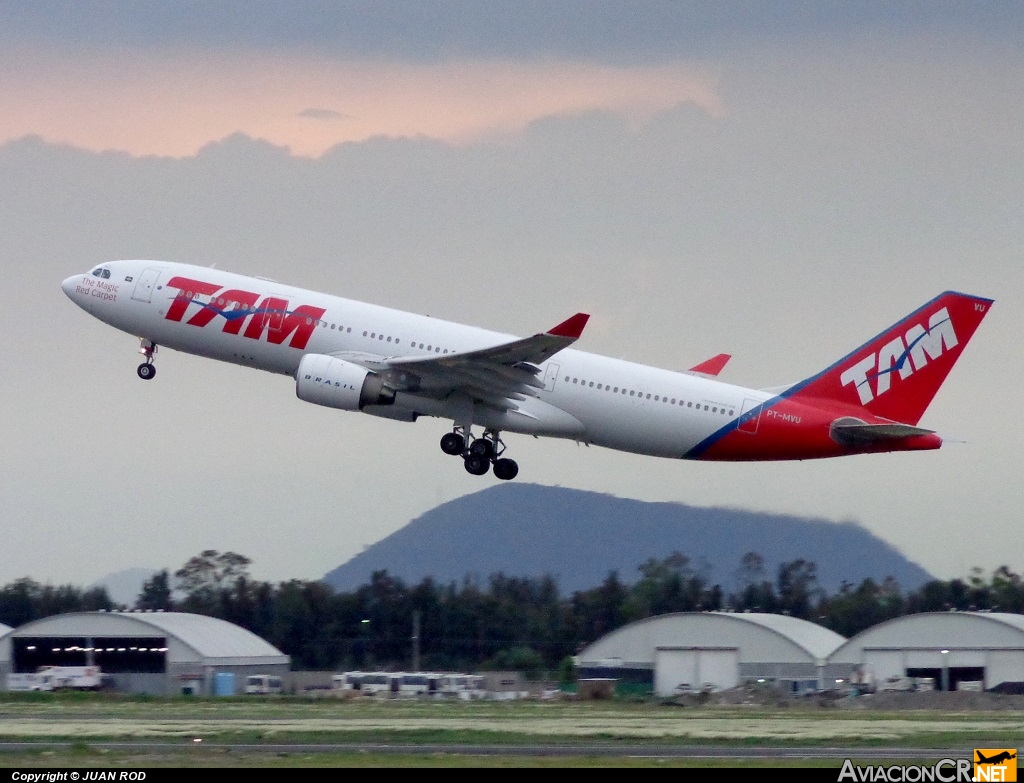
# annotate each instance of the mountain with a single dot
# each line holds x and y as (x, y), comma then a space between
(124, 587)
(527, 530)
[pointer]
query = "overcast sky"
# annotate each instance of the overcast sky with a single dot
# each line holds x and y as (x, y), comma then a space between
(775, 181)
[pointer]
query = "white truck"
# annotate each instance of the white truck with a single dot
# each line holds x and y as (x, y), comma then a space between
(55, 678)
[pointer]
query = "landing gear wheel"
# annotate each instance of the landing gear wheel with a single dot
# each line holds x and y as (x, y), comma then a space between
(146, 371)
(477, 465)
(482, 447)
(452, 443)
(506, 469)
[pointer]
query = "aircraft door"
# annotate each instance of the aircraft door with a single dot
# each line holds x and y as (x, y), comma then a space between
(144, 287)
(550, 376)
(750, 415)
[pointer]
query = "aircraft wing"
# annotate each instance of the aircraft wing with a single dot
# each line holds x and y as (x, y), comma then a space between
(498, 375)
(860, 433)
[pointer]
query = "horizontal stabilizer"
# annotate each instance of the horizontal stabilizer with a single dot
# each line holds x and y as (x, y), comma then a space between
(860, 433)
(712, 366)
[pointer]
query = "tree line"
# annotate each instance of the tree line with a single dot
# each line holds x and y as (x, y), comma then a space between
(500, 622)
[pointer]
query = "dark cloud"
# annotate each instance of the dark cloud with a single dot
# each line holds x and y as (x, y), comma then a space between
(322, 114)
(601, 30)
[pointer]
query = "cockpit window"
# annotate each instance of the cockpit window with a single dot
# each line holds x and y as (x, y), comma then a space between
(101, 272)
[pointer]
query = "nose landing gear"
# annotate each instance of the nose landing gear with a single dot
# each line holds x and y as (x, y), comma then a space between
(481, 453)
(147, 370)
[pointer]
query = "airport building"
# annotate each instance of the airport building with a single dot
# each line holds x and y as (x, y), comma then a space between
(951, 650)
(690, 651)
(159, 653)
(5, 629)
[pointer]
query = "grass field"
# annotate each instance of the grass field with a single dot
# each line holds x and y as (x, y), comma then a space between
(69, 730)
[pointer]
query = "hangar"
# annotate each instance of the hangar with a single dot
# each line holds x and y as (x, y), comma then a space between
(159, 653)
(952, 648)
(719, 650)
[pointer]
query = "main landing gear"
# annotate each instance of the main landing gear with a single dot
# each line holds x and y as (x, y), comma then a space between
(147, 370)
(481, 454)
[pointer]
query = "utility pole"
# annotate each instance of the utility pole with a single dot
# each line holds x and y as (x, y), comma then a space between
(416, 641)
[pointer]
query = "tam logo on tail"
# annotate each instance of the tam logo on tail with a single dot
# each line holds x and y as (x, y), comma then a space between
(904, 355)
(896, 374)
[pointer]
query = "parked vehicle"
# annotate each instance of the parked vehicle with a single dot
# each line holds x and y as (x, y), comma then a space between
(55, 678)
(262, 684)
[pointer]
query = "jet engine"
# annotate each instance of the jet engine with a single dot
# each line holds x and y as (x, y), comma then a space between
(335, 383)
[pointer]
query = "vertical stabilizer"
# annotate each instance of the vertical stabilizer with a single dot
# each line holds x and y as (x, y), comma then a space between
(896, 374)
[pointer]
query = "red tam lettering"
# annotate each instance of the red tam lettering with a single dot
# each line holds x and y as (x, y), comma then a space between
(188, 289)
(224, 305)
(273, 316)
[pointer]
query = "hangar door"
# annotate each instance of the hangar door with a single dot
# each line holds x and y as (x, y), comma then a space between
(883, 664)
(679, 669)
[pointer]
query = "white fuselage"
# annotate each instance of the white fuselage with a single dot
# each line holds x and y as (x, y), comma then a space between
(589, 398)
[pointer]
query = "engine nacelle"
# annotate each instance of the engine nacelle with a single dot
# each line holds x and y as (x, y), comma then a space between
(325, 380)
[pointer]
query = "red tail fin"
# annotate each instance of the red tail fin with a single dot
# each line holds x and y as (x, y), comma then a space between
(896, 375)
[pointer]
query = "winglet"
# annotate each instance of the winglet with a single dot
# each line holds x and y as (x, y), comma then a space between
(571, 328)
(712, 366)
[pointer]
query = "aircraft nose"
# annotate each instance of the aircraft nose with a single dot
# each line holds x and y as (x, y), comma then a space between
(68, 286)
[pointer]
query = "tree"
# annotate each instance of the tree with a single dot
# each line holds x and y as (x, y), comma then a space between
(519, 659)
(156, 593)
(212, 569)
(797, 584)
(208, 577)
(756, 593)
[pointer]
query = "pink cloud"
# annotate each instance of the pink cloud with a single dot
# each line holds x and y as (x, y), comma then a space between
(175, 103)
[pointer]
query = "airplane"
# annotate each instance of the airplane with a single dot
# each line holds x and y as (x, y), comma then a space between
(356, 356)
(996, 759)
